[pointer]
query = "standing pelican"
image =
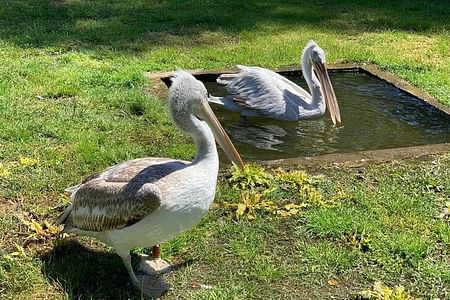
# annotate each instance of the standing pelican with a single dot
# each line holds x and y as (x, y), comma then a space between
(147, 201)
(257, 91)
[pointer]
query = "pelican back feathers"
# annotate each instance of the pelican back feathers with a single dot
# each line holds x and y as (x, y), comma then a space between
(118, 197)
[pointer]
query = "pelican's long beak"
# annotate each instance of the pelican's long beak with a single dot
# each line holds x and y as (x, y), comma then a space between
(220, 135)
(328, 93)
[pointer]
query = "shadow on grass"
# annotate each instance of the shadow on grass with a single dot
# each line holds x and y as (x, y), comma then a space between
(85, 273)
(135, 25)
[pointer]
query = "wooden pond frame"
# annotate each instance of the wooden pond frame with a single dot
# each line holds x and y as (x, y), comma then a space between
(159, 83)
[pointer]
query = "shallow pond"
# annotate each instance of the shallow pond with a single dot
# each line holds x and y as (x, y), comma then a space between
(375, 115)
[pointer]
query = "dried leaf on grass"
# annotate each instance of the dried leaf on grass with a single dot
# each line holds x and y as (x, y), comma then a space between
(39, 231)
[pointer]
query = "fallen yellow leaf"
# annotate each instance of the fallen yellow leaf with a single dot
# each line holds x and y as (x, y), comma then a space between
(333, 282)
(27, 162)
(241, 209)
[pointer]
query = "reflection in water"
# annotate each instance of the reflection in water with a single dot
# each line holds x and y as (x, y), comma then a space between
(375, 115)
(318, 132)
(265, 137)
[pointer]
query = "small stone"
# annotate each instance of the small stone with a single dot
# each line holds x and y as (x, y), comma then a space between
(205, 286)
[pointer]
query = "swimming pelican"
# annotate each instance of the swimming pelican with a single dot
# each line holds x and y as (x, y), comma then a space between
(256, 91)
(147, 201)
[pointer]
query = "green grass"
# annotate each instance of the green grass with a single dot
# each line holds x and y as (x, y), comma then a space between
(73, 99)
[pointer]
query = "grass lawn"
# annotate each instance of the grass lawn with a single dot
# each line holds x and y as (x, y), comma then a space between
(73, 100)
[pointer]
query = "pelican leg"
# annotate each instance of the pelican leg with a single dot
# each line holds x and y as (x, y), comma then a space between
(155, 265)
(127, 262)
(153, 286)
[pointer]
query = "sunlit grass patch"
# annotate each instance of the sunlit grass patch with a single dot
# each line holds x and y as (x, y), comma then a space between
(434, 274)
(396, 249)
(342, 222)
(329, 257)
(223, 291)
(264, 269)
(442, 231)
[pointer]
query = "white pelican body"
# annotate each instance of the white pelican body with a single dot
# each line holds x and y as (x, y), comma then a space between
(147, 201)
(256, 91)
(188, 193)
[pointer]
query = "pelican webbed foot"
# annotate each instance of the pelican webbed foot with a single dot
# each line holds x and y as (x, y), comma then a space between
(154, 266)
(152, 286)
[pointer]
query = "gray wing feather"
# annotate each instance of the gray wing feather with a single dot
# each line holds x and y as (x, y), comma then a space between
(100, 205)
(120, 196)
(264, 92)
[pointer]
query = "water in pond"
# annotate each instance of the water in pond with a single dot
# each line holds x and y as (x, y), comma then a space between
(375, 115)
